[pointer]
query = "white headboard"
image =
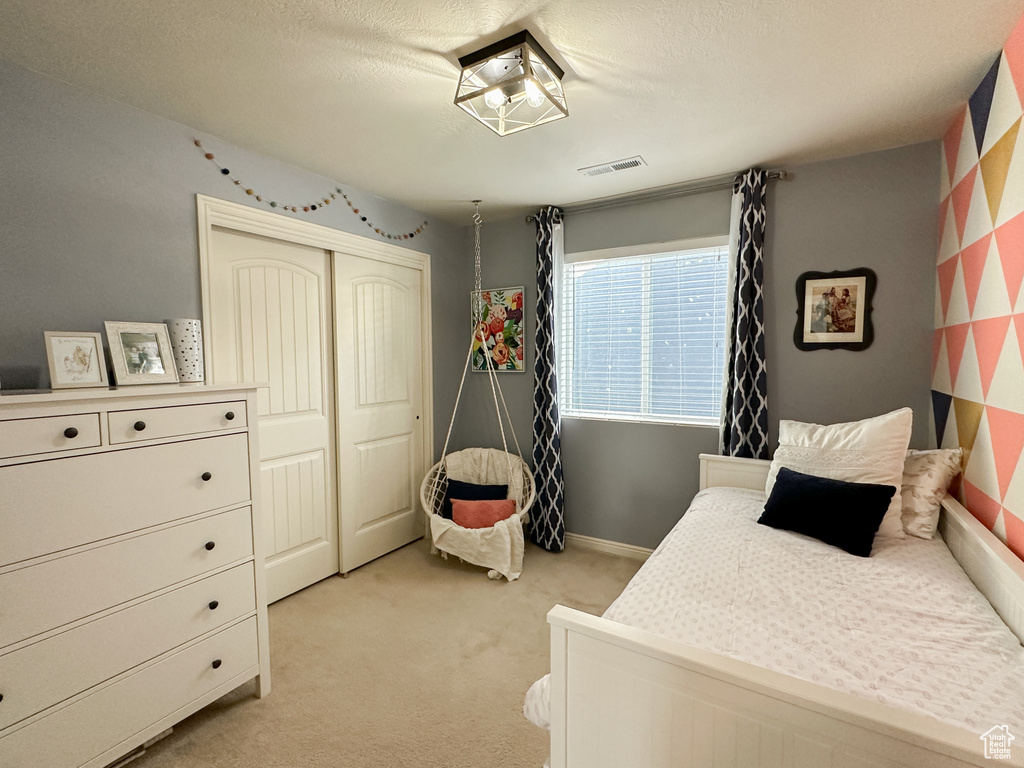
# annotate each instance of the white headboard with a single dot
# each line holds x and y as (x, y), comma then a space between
(729, 471)
(995, 570)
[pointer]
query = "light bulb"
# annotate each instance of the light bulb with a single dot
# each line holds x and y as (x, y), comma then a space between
(534, 95)
(494, 98)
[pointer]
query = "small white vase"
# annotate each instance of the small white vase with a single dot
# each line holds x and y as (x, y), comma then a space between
(187, 343)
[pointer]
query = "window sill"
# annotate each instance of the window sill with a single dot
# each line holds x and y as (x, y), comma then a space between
(716, 425)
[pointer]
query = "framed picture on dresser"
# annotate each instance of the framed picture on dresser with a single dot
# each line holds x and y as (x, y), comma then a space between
(141, 353)
(75, 359)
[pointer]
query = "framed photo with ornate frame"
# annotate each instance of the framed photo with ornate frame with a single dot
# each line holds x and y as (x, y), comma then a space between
(834, 310)
(75, 359)
(141, 353)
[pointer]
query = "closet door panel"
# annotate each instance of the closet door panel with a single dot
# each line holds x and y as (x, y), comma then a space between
(380, 406)
(270, 323)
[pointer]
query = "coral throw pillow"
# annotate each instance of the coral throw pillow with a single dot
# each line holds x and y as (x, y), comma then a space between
(470, 492)
(482, 514)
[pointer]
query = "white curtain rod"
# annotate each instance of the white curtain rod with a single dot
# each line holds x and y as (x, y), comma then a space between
(658, 193)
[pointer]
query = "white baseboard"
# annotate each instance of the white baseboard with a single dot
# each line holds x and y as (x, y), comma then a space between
(630, 551)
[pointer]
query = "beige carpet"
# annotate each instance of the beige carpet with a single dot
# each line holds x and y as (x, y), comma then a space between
(411, 661)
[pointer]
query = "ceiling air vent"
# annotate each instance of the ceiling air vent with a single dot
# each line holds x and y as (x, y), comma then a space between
(615, 165)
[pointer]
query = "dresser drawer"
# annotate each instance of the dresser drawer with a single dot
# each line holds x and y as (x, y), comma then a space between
(53, 505)
(46, 673)
(174, 421)
(113, 715)
(51, 594)
(28, 437)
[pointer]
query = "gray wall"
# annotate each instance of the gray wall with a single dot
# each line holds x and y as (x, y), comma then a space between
(880, 211)
(630, 482)
(99, 221)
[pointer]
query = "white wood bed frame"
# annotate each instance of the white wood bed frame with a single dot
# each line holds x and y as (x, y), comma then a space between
(623, 698)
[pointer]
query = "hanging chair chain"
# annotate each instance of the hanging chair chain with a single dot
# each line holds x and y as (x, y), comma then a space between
(477, 295)
(489, 367)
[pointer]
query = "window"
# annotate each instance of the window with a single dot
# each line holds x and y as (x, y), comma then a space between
(643, 333)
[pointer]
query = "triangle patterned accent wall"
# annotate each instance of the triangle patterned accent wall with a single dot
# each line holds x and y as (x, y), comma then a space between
(977, 382)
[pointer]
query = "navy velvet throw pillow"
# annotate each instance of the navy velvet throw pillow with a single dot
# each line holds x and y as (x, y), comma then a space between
(470, 492)
(845, 515)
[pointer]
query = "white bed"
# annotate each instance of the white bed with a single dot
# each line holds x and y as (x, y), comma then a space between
(623, 694)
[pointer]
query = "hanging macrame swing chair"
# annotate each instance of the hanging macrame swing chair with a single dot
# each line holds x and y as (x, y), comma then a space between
(499, 547)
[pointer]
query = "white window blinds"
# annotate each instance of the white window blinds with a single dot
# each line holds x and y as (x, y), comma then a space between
(643, 336)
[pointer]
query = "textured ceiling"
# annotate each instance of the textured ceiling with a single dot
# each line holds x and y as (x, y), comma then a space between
(361, 91)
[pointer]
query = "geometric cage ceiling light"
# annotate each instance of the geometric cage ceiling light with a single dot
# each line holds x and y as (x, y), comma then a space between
(511, 85)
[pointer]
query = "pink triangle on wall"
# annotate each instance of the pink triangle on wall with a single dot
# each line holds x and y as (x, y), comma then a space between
(936, 346)
(1018, 322)
(951, 142)
(989, 338)
(983, 507)
(1010, 241)
(973, 258)
(1014, 532)
(947, 272)
(943, 212)
(956, 338)
(1007, 430)
(1013, 51)
(961, 195)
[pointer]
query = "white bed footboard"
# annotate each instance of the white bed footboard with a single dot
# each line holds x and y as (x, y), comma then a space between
(623, 698)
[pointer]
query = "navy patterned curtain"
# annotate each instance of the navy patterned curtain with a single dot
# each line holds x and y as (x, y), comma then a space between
(547, 516)
(745, 399)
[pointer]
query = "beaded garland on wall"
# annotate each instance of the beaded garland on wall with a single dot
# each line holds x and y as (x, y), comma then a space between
(310, 207)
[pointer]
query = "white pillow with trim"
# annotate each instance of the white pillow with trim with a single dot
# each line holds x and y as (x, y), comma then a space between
(868, 451)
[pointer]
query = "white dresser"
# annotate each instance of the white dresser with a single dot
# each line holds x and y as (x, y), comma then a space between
(131, 566)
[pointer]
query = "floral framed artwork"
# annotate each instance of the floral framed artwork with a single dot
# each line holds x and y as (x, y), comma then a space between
(498, 323)
(141, 353)
(75, 359)
(834, 310)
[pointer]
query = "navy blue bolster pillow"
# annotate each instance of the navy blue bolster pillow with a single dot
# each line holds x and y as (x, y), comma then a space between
(843, 514)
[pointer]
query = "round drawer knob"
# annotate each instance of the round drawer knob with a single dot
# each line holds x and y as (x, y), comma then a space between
(213, 605)
(139, 426)
(216, 663)
(70, 433)
(230, 415)
(210, 545)
(1, 697)
(206, 477)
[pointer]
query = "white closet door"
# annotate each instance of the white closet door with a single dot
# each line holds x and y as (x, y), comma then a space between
(379, 349)
(270, 321)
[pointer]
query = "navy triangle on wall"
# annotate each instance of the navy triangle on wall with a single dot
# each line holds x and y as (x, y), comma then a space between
(981, 102)
(940, 406)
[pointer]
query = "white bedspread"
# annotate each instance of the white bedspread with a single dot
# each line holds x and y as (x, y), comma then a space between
(905, 627)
